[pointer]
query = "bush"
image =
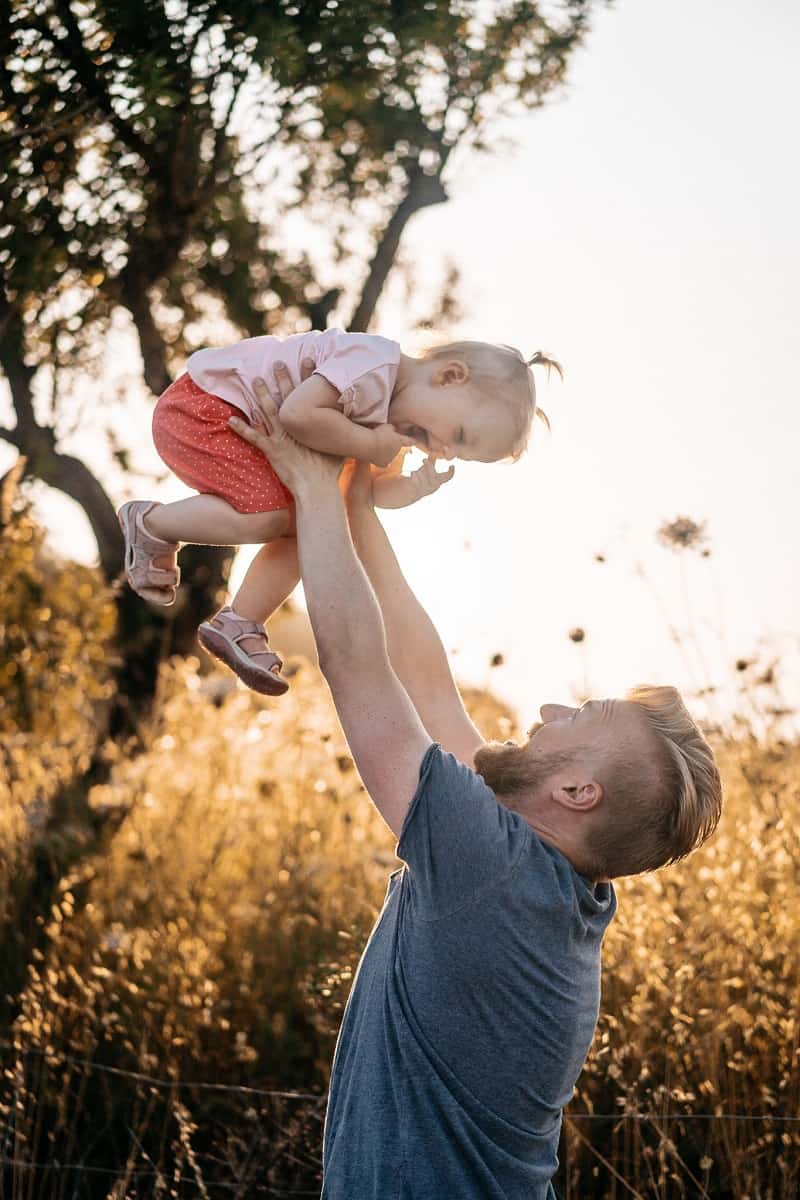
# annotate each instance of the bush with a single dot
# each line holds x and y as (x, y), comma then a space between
(221, 928)
(56, 629)
(214, 941)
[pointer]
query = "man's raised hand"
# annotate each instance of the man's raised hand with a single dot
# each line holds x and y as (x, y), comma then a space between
(293, 462)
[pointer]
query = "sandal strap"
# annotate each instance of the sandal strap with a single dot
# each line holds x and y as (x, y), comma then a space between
(160, 576)
(236, 628)
(141, 547)
(148, 541)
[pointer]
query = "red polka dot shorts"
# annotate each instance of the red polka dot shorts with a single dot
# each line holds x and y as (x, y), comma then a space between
(192, 435)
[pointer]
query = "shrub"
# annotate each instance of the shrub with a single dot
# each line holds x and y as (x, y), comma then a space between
(56, 629)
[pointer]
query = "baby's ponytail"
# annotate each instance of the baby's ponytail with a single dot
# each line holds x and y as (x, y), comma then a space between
(540, 359)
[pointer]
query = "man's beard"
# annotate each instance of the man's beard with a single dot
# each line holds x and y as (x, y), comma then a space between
(511, 770)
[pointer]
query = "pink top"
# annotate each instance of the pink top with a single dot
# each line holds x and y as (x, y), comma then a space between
(362, 366)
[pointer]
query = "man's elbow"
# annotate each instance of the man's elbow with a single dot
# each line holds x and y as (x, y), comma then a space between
(342, 664)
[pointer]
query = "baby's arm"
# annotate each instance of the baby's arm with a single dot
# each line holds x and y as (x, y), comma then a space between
(310, 414)
(391, 489)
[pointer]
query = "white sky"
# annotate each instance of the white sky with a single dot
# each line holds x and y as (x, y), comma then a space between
(644, 230)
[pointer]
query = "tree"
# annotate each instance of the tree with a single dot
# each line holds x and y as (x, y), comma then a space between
(150, 155)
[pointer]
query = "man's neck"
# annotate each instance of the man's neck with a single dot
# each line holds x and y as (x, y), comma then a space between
(559, 839)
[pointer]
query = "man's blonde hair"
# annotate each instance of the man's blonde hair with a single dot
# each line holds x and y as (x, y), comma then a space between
(502, 376)
(656, 810)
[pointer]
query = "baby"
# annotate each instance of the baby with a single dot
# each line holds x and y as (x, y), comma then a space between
(365, 399)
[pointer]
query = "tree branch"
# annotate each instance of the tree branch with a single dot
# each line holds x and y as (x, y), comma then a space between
(423, 191)
(319, 310)
(154, 351)
(85, 70)
(11, 436)
(72, 477)
(18, 374)
(52, 127)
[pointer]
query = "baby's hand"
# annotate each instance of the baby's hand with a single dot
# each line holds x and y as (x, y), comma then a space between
(387, 444)
(398, 491)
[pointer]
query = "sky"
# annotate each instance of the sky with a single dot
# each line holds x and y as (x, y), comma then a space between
(645, 231)
(643, 228)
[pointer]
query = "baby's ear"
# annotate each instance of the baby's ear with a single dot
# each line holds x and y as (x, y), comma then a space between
(454, 372)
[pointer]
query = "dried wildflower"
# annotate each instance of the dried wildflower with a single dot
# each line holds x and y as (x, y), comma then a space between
(683, 534)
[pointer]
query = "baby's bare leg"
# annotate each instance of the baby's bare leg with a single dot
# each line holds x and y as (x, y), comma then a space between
(271, 577)
(210, 521)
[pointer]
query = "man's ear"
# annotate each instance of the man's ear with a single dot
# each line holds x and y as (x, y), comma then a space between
(452, 372)
(580, 797)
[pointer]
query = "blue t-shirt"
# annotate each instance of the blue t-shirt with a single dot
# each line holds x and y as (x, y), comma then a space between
(472, 1009)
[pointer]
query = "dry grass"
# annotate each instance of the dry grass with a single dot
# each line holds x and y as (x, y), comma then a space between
(700, 1003)
(56, 629)
(216, 936)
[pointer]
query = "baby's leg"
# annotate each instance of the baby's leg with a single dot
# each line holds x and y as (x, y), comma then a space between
(210, 521)
(236, 634)
(271, 577)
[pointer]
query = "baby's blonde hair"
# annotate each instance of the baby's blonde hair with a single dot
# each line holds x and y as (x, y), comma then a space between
(501, 375)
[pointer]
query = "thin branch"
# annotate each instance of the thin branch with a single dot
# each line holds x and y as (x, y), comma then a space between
(52, 129)
(423, 191)
(151, 343)
(222, 132)
(11, 436)
(86, 72)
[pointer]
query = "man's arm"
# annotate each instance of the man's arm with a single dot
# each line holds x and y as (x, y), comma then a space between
(383, 730)
(415, 648)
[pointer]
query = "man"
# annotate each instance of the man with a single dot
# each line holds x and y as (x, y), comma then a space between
(477, 995)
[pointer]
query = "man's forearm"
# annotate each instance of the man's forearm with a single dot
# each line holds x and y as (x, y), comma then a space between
(344, 612)
(416, 652)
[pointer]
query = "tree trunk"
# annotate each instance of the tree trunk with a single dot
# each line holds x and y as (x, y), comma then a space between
(154, 352)
(423, 191)
(72, 477)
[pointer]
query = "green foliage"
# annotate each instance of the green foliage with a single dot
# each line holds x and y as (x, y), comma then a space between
(135, 140)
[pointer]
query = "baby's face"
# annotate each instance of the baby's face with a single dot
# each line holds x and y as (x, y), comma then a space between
(454, 422)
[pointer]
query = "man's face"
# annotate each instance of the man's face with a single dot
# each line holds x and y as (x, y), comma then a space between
(563, 728)
(567, 748)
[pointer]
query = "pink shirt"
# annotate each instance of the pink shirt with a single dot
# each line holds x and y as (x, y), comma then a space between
(362, 366)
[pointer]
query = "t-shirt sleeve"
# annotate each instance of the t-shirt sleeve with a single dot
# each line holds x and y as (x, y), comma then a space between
(457, 841)
(363, 368)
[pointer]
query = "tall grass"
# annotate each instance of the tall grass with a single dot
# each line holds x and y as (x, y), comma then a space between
(699, 1028)
(214, 940)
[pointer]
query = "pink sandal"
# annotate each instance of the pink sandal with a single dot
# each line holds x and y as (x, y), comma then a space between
(220, 635)
(158, 585)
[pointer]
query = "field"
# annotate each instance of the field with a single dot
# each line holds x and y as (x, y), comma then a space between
(171, 1013)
